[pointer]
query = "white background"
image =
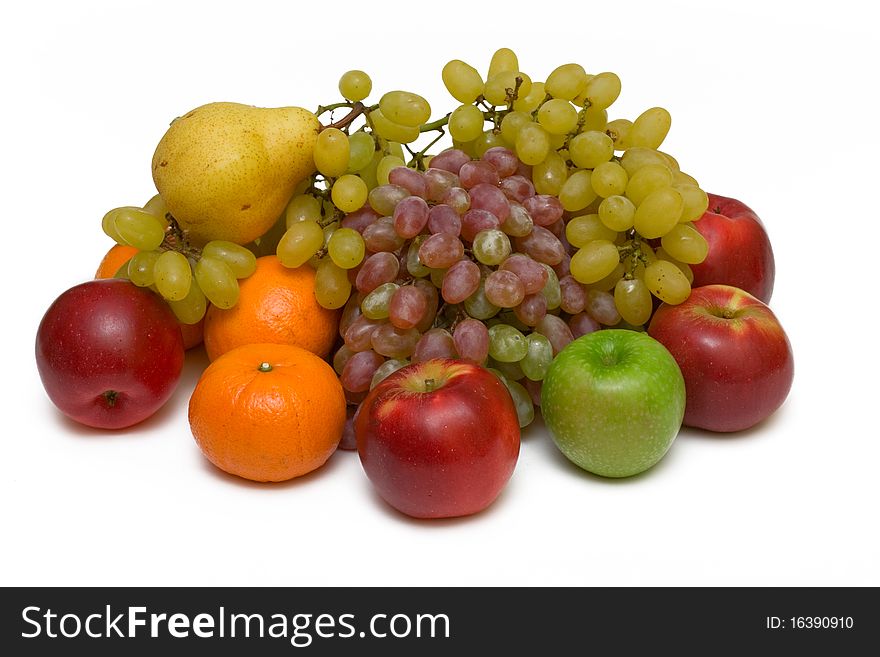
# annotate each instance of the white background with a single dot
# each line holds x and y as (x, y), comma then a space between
(772, 103)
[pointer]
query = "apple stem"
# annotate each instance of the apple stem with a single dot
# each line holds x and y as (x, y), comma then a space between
(429, 385)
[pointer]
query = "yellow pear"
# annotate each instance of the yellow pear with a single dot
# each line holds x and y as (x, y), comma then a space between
(226, 171)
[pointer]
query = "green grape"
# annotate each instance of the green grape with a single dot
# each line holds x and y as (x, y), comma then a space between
(684, 267)
(376, 304)
(522, 402)
(331, 152)
(503, 59)
(590, 149)
(508, 371)
(386, 369)
(594, 261)
(192, 307)
(491, 247)
(550, 174)
(607, 284)
(405, 108)
(388, 129)
(413, 265)
(463, 81)
(551, 291)
(685, 244)
(602, 90)
(538, 357)
(487, 139)
(667, 282)
(582, 230)
(303, 207)
(346, 248)
(618, 130)
(695, 201)
(647, 179)
(637, 157)
(478, 306)
(650, 128)
(465, 123)
(241, 261)
(393, 148)
(141, 268)
(558, 116)
(609, 179)
(566, 81)
(499, 88)
(349, 193)
(617, 213)
(577, 192)
(593, 118)
(386, 164)
(669, 161)
(361, 147)
(437, 274)
(506, 344)
(369, 173)
(682, 178)
(301, 241)
(532, 144)
(658, 213)
(512, 123)
(531, 101)
(217, 280)
(173, 275)
(332, 287)
(156, 207)
(633, 300)
(355, 85)
(139, 229)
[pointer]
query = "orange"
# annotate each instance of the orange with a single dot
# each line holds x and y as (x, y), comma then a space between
(276, 305)
(118, 255)
(268, 412)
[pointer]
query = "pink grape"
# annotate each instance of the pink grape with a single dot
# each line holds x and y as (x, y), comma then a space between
(349, 440)
(556, 330)
(384, 198)
(503, 159)
(475, 172)
(435, 343)
(360, 219)
(443, 219)
(407, 307)
(471, 339)
(475, 220)
(532, 309)
(533, 388)
(438, 182)
(489, 197)
(450, 160)
(340, 358)
(581, 324)
(350, 312)
(461, 280)
(458, 199)
(563, 267)
(601, 307)
(359, 369)
(359, 334)
(411, 180)
(543, 209)
(518, 222)
(441, 250)
(542, 245)
(378, 268)
(394, 342)
(517, 188)
(504, 289)
(410, 216)
(382, 236)
(574, 296)
(531, 273)
(432, 301)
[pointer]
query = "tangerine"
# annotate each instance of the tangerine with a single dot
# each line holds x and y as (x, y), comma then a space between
(276, 305)
(268, 412)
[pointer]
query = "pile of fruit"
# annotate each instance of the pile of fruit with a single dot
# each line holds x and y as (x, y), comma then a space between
(359, 284)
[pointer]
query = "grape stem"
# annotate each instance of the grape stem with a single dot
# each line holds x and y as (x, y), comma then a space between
(175, 240)
(357, 109)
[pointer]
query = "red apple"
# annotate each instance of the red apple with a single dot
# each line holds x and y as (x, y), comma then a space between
(109, 353)
(733, 353)
(439, 438)
(739, 249)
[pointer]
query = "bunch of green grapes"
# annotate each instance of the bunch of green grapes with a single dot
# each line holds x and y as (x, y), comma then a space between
(349, 164)
(186, 277)
(629, 208)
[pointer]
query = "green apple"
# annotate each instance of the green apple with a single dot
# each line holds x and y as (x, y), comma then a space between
(613, 402)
